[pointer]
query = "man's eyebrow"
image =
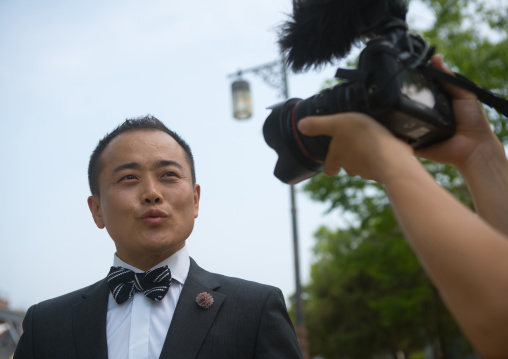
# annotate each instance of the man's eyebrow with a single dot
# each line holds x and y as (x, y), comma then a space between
(136, 165)
(164, 163)
(128, 165)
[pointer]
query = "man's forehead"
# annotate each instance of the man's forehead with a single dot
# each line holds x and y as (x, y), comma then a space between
(144, 134)
(133, 145)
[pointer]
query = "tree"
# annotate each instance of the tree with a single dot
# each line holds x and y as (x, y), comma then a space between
(368, 295)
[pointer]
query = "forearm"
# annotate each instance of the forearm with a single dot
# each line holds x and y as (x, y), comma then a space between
(465, 257)
(486, 175)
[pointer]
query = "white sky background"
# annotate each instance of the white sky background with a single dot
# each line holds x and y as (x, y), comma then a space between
(71, 71)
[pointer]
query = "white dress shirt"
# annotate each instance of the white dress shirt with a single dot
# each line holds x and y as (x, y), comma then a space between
(137, 328)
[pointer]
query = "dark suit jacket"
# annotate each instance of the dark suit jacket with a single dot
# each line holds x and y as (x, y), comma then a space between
(246, 320)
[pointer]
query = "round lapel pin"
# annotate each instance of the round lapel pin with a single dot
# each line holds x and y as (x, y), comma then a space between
(204, 300)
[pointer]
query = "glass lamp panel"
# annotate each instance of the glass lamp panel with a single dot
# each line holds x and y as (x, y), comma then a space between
(242, 106)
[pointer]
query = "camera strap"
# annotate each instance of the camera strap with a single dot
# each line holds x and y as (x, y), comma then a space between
(485, 96)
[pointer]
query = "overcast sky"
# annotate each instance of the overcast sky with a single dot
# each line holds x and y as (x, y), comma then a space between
(70, 71)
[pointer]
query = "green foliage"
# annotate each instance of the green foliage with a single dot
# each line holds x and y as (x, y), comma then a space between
(368, 296)
(472, 35)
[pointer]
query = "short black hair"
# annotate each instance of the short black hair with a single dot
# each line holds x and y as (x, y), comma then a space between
(138, 123)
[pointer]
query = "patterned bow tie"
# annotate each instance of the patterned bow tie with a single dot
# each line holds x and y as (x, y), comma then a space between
(123, 283)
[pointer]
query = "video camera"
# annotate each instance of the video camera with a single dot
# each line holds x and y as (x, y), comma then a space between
(394, 82)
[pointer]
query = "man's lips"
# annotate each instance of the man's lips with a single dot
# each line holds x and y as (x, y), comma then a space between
(154, 216)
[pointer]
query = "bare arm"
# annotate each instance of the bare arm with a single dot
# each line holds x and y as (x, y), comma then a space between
(465, 257)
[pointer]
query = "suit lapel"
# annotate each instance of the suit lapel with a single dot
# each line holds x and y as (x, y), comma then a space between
(89, 323)
(191, 323)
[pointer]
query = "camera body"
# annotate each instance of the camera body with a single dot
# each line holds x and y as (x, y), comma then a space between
(391, 84)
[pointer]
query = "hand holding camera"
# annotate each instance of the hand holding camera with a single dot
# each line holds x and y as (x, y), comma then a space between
(394, 83)
(359, 145)
(473, 131)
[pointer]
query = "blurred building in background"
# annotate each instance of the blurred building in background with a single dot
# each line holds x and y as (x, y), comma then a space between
(10, 329)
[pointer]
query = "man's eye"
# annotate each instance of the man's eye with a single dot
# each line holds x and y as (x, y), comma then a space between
(170, 174)
(128, 177)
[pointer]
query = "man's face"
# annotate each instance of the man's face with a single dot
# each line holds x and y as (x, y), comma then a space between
(147, 200)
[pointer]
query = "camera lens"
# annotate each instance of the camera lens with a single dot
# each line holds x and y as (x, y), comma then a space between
(298, 158)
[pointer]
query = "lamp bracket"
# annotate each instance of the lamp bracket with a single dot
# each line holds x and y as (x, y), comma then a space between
(272, 73)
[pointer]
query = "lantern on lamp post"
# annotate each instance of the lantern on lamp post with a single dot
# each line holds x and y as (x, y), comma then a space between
(242, 105)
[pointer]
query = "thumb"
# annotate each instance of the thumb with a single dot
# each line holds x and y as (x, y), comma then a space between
(315, 126)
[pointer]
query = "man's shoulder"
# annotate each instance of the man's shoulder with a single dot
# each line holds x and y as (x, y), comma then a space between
(69, 299)
(245, 290)
(236, 282)
(228, 282)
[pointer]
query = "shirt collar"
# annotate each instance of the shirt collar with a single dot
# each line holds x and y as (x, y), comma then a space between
(178, 264)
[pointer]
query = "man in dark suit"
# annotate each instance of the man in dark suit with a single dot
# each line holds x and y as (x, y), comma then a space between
(156, 301)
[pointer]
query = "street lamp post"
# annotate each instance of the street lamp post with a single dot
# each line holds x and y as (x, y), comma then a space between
(275, 75)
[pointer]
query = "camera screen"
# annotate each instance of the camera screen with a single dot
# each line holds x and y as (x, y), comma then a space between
(414, 86)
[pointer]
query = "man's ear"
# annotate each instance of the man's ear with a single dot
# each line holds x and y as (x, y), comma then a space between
(95, 209)
(197, 194)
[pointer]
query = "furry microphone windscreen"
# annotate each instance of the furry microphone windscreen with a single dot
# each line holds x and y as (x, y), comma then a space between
(321, 30)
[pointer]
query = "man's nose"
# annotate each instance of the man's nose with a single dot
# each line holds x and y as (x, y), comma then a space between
(151, 192)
